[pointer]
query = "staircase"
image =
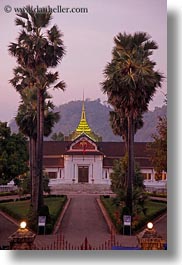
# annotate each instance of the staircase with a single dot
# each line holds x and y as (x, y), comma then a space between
(81, 188)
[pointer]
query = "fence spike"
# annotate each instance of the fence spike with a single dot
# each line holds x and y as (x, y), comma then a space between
(61, 244)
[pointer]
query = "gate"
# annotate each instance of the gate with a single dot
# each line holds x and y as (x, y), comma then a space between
(62, 244)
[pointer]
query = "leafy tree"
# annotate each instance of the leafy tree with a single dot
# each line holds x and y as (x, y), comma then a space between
(158, 147)
(24, 183)
(57, 136)
(13, 154)
(119, 176)
(37, 50)
(119, 186)
(130, 83)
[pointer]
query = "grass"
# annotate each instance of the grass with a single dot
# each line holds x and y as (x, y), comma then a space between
(8, 193)
(154, 209)
(16, 209)
(55, 205)
(155, 194)
(20, 209)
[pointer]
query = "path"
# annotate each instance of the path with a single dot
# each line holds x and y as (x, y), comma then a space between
(161, 226)
(7, 228)
(83, 218)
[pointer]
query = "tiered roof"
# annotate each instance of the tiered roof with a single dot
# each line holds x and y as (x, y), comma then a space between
(83, 128)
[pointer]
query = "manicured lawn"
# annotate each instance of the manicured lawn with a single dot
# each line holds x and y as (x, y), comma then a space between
(55, 205)
(19, 209)
(154, 194)
(154, 209)
(16, 209)
(8, 193)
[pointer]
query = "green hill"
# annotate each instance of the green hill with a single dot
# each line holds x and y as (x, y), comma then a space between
(98, 119)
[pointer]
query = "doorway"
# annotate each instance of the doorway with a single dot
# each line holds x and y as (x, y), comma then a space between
(83, 174)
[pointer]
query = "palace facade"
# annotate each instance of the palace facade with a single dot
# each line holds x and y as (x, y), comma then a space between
(84, 158)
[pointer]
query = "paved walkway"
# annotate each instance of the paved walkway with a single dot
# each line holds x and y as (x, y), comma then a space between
(7, 228)
(161, 226)
(84, 219)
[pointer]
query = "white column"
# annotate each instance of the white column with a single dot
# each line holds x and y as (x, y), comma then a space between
(153, 175)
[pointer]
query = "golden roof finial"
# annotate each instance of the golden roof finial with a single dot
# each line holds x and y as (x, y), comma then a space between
(83, 115)
(83, 125)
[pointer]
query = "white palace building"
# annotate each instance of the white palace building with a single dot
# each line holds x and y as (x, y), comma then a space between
(84, 158)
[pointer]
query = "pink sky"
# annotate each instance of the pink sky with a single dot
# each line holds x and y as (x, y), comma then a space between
(89, 41)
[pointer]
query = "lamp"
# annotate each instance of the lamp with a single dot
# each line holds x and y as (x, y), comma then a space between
(23, 225)
(150, 226)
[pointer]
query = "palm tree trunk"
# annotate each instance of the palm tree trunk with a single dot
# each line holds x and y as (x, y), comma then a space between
(38, 149)
(125, 143)
(41, 135)
(130, 163)
(34, 183)
(30, 164)
(35, 180)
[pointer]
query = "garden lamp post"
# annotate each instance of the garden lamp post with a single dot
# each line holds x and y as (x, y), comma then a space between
(150, 239)
(22, 239)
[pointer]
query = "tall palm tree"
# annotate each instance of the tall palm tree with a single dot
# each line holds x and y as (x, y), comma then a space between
(130, 83)
(37, 50)
(119, 124)
(27, 121)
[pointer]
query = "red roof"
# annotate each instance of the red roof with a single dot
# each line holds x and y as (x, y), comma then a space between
(53, 162)
(109, 149)
(117, 149)
(55, 147)
(53, 150)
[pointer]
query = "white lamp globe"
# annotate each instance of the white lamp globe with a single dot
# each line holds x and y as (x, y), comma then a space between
(23, 225)
(150, 225)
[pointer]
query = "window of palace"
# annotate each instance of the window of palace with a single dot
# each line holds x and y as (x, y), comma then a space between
(52, 175)
(158, 176)
(147, 176)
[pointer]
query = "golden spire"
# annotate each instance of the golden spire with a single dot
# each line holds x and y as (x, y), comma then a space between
(83, 125)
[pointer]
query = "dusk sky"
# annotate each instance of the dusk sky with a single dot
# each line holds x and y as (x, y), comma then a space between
(88, 38)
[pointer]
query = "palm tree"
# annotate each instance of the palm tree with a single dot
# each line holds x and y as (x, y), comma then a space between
(130, 83)
(37, 50)
(27, 121)
(119, 125)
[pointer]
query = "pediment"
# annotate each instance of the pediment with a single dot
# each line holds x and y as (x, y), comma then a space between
(83, 143)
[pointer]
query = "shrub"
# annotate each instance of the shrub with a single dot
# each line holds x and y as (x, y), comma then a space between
(116, 212)
(44, 211)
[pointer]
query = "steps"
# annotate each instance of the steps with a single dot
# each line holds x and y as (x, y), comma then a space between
(80, 188)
